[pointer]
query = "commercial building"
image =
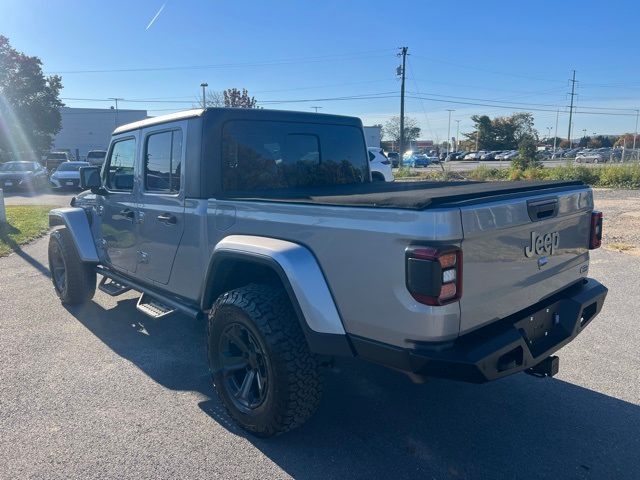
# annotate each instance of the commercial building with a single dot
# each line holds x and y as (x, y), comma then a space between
(85, 129)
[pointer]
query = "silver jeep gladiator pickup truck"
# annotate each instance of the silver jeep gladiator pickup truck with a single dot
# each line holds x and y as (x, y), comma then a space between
(267, 224)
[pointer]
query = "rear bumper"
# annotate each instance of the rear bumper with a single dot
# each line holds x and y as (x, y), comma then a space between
(502, 348)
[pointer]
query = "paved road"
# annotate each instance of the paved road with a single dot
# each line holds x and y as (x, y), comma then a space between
(101, 391)
(47, 197)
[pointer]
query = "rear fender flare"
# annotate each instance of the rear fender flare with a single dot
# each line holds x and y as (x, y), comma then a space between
(76, 222)
(302, 278)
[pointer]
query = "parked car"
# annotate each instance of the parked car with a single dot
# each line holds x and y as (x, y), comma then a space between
(305, 261)
(510, 155)
(27, 175)
(418, 160)
(470, 156)
(395, 159)
(490, 155)
(379, 165)
(67, 175)
(54, 159)
(96, 157)
(590, 157)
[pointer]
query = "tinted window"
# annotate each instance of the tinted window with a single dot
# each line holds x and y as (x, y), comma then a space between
(162, 162)
(276, 155)
(57, 156)
(119, 173)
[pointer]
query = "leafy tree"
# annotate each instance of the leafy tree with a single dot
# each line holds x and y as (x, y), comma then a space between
(564, 144)
(502, 133)
(391, 130)
(584, 141)
(238, 98)
(29, 104)
(627, 140)
(526, 154)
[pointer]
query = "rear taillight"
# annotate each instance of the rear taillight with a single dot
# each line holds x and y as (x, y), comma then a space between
(595, 237)
(434, 275)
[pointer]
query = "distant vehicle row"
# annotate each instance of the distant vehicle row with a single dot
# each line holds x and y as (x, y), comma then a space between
(33, 176)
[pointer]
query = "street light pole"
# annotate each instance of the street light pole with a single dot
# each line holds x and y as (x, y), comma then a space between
(403, 53)
(315, 108)
(457, 135)
(555, 135)
(449, 132)
(115, 99)
(635, 134)
(204, 85)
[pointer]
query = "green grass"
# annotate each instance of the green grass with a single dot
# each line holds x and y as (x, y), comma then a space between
(612, 176)
(24, 224)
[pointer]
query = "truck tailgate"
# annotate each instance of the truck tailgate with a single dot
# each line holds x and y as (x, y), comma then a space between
(518, 251)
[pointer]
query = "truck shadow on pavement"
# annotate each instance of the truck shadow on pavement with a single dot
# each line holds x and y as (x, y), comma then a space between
(374, 423)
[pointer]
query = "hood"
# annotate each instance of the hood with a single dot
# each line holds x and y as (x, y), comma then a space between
(14, 175)
(69, 175)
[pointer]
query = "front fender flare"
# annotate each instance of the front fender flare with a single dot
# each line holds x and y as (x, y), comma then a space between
(75, 219)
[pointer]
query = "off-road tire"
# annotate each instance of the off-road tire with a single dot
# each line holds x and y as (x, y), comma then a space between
(294, 385)
(80, 277)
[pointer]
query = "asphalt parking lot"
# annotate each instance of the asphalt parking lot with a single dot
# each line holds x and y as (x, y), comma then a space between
(102, 391)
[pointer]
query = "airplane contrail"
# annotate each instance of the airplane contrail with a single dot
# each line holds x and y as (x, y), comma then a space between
(155, 17)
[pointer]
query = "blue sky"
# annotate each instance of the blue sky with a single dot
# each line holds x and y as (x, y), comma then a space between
(486, 56)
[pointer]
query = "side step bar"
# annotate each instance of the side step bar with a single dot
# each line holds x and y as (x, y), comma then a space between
(111, 287)
(153, 308)
(170, 304)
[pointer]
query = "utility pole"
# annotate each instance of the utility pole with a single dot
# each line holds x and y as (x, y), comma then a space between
(315, 108)
(548, 133)
(573, 89)
(204, 85)
(477, 138)
(457, 133)
(555, 135)
(449, 132)
(115, 99)
(402, 70)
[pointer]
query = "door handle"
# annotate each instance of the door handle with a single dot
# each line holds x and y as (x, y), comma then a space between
(167, 218)
(128, 214)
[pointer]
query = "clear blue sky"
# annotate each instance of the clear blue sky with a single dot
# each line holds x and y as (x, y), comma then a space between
(463, 51)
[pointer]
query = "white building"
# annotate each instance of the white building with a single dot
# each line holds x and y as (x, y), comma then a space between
(85, 129)
(373, 135)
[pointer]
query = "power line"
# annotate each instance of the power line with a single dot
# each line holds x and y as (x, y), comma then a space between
(286, 61)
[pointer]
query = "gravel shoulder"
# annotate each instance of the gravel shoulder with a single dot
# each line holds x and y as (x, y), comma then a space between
(621, 209)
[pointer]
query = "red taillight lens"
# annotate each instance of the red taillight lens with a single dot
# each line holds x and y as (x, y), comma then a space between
(434, 275)
(595, 237)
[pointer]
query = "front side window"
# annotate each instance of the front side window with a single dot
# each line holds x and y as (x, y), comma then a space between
(163, 154)
(259, 155)
(119, 173)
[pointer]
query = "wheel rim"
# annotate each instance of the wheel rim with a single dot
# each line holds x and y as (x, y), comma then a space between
(58, 270)
(243, 366)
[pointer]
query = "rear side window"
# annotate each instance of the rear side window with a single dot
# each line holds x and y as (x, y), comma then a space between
(263, 155)
(119, 173)
(163, 154)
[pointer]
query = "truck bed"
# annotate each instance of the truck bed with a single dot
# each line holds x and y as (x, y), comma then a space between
(403, 195)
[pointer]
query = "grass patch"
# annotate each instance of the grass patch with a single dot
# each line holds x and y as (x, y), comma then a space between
(625, 176)
(620, 247)
(24, 223)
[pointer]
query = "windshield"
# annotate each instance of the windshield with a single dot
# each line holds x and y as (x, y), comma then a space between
(17, 167)
(71, 166)
(56, 156)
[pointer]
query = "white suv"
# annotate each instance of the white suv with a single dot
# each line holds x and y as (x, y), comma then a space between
(380, 165)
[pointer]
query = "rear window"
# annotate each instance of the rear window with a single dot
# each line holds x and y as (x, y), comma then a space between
(96, 154)
(57, 156)
(264, 155)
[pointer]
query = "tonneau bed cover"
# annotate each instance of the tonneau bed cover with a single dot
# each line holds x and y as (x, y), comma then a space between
(403, 195)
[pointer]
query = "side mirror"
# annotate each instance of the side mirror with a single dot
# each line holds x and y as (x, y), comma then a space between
(90, 178)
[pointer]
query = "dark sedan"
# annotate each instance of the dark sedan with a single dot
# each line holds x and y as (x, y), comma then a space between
(25, 175)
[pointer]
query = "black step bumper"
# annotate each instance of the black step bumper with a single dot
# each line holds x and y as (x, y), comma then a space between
(507, 346)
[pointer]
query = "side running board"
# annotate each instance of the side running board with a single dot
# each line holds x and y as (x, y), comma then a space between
(152, 302)
(153, 308)
(111, 287)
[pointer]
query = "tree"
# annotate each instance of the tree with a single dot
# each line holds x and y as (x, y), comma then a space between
(502, 133)
(526, 154)
(391, 130)
(29, 104)
(564, 144)
(239, 99)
